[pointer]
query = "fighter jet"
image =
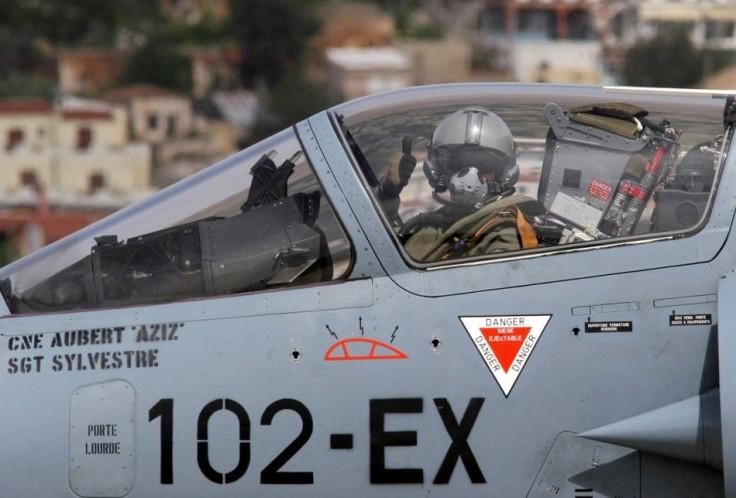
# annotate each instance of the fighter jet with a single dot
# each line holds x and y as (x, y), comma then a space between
(458, 290)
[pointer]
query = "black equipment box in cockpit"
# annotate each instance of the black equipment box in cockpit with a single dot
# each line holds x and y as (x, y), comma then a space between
(587, 155)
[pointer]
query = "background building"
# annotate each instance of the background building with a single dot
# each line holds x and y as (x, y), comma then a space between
(66, 163)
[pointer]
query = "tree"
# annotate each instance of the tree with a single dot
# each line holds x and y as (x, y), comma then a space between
(82, 22)
(26, 70)
(14, 84)
(291, 100)
(273, 36)
(667, 60)
(160, 63)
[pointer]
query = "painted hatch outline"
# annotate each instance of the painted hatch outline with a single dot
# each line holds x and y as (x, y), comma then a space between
(340, 351)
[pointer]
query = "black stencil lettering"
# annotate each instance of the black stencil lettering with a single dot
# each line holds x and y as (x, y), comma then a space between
(459, 447)
(172, 331)
(165, 409)
(341, 441)
(203, 456)
(380, 439)
(272, 473)
(244, 444)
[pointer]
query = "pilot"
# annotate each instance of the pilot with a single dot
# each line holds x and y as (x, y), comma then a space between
(471, 167)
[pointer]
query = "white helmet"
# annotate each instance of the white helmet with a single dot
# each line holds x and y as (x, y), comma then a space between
(466, 147)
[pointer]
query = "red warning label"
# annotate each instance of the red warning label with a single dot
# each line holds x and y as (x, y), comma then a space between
(634, 190)
(600, 190)
(505, 343)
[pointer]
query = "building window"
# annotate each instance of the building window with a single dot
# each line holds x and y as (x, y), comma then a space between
(153, 121)
(493, 21)
(84, 138)
(580, 26)
(668, 26)
(15, 138)
(171, 126)
(29, 178)
(96, 182)
(718, 29)
(536, 24)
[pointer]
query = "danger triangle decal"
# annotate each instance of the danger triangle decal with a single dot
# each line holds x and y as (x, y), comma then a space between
(505, 343)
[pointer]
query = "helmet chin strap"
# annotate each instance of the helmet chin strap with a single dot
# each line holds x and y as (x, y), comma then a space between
(505, 192)
(494, 189)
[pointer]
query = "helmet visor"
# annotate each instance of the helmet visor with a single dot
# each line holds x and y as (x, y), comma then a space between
(461, 157)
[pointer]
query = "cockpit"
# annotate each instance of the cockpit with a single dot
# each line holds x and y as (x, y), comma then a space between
(257, 220)
(595, 167)
(457, 173)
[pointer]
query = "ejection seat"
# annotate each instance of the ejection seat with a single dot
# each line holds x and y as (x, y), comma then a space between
(600, 165)
(683, 202)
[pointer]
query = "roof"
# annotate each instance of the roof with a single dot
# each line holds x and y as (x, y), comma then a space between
(70, 108)
(79, 108)
(362, 59)
(26, 106)
(140, 91)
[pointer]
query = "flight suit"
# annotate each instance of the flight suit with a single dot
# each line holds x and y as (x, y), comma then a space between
(499, 226)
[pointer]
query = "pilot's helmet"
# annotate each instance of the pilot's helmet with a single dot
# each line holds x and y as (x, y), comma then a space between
(472, 154)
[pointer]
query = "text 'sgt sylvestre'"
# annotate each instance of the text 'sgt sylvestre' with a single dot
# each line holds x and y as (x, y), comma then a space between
(460, 290)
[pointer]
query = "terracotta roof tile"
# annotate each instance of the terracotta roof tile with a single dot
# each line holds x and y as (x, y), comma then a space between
(26, 106)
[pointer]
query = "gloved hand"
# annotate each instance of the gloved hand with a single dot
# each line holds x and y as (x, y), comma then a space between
(399, 170)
